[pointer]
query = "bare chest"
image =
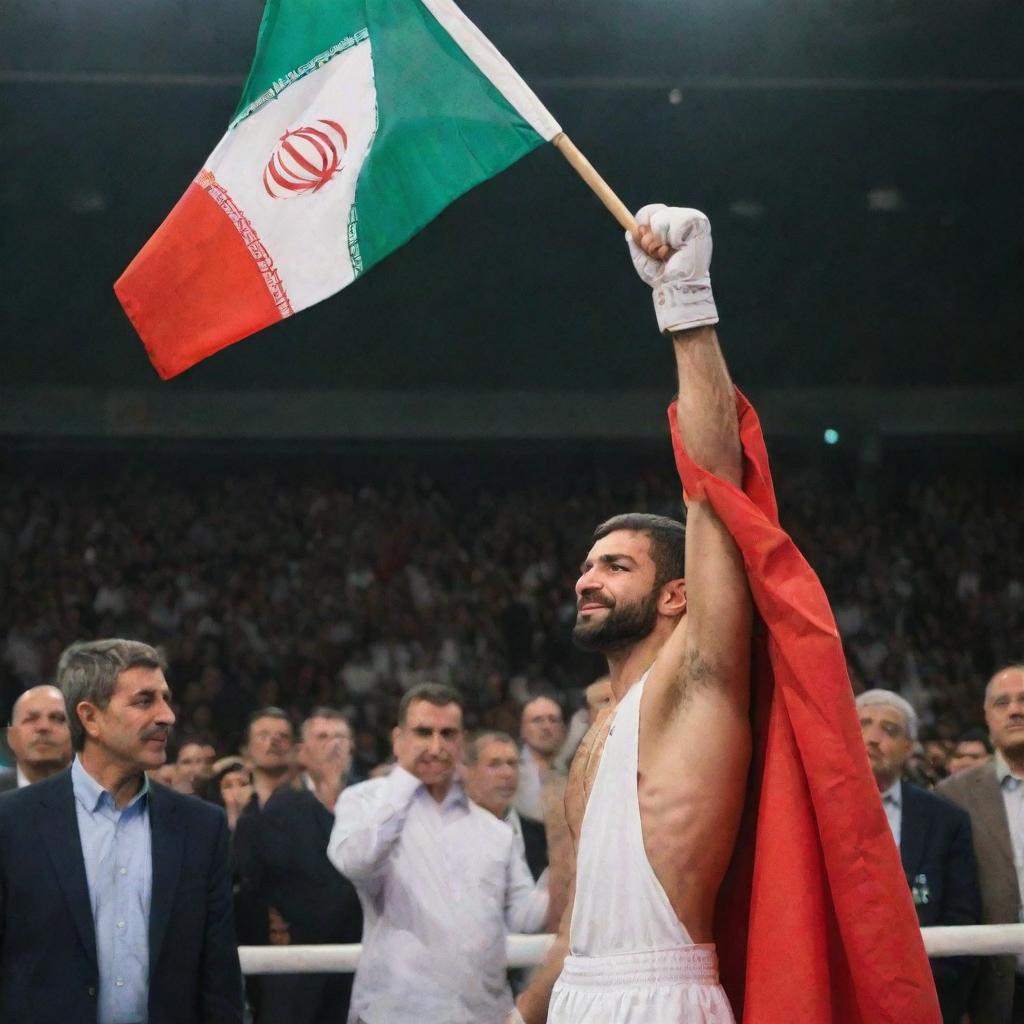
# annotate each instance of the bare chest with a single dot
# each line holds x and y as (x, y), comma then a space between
(583, 772)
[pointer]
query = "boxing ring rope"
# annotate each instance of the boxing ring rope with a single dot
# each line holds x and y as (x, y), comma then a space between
(529, 950)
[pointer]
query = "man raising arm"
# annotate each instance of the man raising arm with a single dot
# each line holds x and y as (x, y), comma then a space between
(656, 790)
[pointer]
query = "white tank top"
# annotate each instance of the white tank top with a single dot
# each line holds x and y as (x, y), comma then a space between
(620, 905)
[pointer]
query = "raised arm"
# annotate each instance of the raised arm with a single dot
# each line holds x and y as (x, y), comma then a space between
(673, 255)
(368, 821)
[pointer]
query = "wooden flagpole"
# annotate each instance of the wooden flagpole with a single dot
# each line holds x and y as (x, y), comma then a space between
(600, 187)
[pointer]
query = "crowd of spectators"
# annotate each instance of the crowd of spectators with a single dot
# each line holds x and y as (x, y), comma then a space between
(269, 582)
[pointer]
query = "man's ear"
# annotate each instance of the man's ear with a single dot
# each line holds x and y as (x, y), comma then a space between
(673, 598)
(396, 734)
(87, 713)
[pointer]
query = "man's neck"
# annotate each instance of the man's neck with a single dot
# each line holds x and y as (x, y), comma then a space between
(886, 782)
(542, 760)
(41, 770)
(1014, 760)
(264, 783)
(439, 790)
(122, 781)
(627, 666)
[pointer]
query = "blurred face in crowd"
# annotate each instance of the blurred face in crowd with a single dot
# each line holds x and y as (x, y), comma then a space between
(542, 728)
(493, 780)
(888, 745)
(132, 730)
(166, 775)
(429, 744)
(968, 753)
(1004, 712)
(236, 788)
(616, 597)
(599, 697)
(191, 765)
(38, 734)
(326, 741)
(270, 745)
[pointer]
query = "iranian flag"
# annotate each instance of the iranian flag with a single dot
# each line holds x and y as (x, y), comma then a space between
(361, 120)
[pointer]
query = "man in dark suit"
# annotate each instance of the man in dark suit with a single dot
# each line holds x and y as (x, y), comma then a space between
(38, 737)
(992, 793)
(934, 840)
(310, 901)
(115, 896)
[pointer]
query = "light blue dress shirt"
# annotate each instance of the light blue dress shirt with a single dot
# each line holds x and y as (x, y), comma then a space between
(117, 849)
(892, 801)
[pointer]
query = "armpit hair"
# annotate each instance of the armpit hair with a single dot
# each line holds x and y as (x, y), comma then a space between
(695, 674)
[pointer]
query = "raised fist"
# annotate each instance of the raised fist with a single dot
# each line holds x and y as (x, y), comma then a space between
(673, 256)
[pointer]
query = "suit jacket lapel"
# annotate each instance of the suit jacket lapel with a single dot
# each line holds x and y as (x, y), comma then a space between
(167, 843)
(991, 813)
(912, 831)
(57, 824)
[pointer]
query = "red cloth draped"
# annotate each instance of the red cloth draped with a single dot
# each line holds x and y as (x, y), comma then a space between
(815, 923)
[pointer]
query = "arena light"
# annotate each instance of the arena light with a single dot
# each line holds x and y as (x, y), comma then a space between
(831, 436)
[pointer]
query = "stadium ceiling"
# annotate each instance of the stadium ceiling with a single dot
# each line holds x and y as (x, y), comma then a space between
(860, 161)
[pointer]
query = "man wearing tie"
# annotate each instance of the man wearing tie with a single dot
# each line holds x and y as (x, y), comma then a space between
(115, 893)
(993, 794)
(933, 836)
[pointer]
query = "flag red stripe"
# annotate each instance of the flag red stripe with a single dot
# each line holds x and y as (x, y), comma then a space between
(201, 283)
(814, 921)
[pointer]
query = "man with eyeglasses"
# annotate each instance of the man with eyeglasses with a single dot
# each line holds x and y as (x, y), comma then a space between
(993, 794)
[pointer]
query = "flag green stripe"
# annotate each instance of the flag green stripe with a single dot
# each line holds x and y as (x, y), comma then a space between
(443, 128)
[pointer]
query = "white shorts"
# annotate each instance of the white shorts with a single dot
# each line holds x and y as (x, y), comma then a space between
(665, 986)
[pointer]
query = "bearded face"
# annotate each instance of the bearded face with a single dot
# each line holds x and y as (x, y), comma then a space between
(620, 624)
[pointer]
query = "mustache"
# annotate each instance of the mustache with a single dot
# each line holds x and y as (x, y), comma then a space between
(604, 602)
(156, 732)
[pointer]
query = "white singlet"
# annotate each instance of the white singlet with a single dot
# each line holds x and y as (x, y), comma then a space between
(630, 959)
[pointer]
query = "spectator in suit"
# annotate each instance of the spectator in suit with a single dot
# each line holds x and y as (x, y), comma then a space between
(269, 742)
(490, 774)
(972, 747)
(933, 836)
(192, 765)
(311, 902)
(115, 897)
(542, 731)
(38, 737)
(440, 880)
(993, 794)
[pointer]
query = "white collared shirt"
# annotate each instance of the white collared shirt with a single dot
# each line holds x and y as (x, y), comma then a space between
(440, 884)
(892, 804)
(529, 799)
(1013, 800)
(23, 780)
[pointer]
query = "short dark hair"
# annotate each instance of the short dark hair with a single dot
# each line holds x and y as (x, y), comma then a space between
(437, 694)
(976, 735)
(323, 711)
(268, 712)
(471, 752)
(89, 672)
(667, 536)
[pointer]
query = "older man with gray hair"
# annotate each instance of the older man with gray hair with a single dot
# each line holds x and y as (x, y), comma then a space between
(933, 836)
(115, 893)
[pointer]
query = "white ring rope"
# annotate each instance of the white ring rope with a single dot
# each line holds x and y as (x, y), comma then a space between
(529, 950)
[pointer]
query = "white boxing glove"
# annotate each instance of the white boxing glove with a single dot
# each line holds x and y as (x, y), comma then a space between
(682, 283)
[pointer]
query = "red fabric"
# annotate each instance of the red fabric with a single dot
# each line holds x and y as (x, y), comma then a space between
(815, 923)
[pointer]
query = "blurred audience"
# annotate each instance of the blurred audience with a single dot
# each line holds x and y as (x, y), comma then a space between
(933, 837)
(973, 747)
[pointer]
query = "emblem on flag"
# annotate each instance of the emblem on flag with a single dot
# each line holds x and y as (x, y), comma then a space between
(305, 159)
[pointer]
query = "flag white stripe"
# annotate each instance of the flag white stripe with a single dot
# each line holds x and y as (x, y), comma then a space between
(482, 52)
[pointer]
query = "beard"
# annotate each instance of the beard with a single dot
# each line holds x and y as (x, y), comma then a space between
(623, 626)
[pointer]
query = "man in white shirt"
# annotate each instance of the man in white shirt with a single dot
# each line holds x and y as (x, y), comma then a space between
(441, 880)
(490, 773)
(542, 729)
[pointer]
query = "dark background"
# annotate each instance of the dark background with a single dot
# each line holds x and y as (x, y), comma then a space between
(789, 118)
